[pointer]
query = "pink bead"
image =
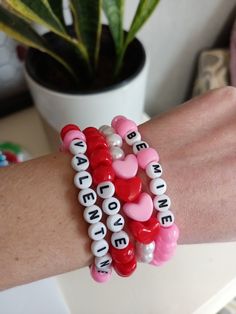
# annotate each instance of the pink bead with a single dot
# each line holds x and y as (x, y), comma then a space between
(116, 119)
(100, 275)
(170, 234)
(126, 168)
(165, 247)
(157, 262)
(145, 156)
(162, 256)
(70, 136)
(123, 126)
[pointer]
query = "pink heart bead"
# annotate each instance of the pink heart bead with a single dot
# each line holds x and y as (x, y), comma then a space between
(123, 126)
(100, 275)
(170, 234)
(162, 256)
(116, 119)
(70, 136)
(156, 262)
(165, 247)
(145, 156)
(127, 168)
(140, 210)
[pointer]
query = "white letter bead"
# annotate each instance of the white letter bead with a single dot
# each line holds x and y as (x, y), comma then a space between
(87, 197)
(111, 206)
(162, 202)
(120, 240)
(158, 186)
(78, 147)
(99, 248)
(132, 137)
(138, 146)
(83, 180)
(153, 170)
(80, 162)
(92, 214)
(114, 140)
(105, 189)
(117, 153)
(97, 231)
(166, 219)
(115, 223)
(103, 262)
(106, 130)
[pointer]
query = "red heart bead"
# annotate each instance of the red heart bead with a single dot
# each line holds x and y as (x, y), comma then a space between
(100, 156)
(126, 269)
(103, 173)
(90, 131)
(124, 255)
(95, 143)
(128, 190)
(144, 232)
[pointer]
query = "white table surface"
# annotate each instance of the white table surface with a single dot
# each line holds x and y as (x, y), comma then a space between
(200, 279)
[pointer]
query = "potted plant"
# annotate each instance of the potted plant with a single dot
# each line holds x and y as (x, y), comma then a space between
(86, 72)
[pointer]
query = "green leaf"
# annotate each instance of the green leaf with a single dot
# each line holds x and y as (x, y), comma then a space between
(144, 10)
(114, 10)
(57, 8)
(87, 19)
(21, 31)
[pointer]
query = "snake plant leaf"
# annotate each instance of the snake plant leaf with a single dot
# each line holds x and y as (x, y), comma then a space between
(144, 10)
(87, 19)
(57, 9)
(39, 12)
(21, 31)
(114, 10)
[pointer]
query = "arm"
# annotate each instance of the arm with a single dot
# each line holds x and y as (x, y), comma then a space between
(42, 231)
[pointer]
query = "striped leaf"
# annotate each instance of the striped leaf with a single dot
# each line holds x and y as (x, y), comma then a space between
(57, 8)
(114, 10)
(87, 20)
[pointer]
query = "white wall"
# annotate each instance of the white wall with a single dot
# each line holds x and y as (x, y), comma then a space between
(173, 36)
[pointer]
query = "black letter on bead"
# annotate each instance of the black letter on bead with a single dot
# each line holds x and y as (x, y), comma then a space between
(103, 187)
(105, 263)
(101, 231)
(160, 186)
(141, 146)
(118, 223)
(82, 178)
(103, 248)
(93, 214)
(102, 271)
(166, 219)
(80, 160)
(163, 203)
(88, 197)
(157, 168)
(119, 241)
(131, 135)
(112, 205)
(80, 144)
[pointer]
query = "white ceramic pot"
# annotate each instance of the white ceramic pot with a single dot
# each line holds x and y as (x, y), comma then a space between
(93, 109)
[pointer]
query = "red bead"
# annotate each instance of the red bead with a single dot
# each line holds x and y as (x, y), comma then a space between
(144, 232)
(103, 173)
(96, 142)
(128, 190)
(127, 269)
(90, 131)
(124, 255)
(67, 128)
(100, 156)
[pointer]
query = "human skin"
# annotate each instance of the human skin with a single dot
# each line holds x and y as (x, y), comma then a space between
(42, 231)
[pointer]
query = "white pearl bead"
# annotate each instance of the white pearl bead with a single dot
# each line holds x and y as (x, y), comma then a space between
(103, 262)
(158, 186)
(111, 206)
(162, 202)
(97, 231)
(115, 223)
(80, 162)
(132, 137)
(117, 153)
(146, 258)
(114, 140)
(166, 218)
(106, 189)
(120, 240)
(138, 146)
(92, 214)
(83, 180)
(106, 130)
(145, 248)
(99, 248)
(87, 197)
(153, 170)
(78, 147)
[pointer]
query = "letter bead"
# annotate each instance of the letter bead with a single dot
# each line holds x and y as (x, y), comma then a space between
(78, 147)
(117, 153)
(97, 231)
(158, 186)
(162, 202)
(92, 214)
(115, 223)
(132, 137)
(100, 276)
(80, 162)
(87, 197)
(103, 262)
(111, 206)
(153, 170)
(166, 218)
(138, 146)
(105, 189)
(99, 248)
(83, 180)
(114, 140)
(120, 240)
